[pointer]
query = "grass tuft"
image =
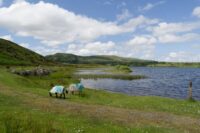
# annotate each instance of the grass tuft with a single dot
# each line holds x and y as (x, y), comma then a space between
(111, 76)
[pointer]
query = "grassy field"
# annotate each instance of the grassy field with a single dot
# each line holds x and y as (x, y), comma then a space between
(26, 107)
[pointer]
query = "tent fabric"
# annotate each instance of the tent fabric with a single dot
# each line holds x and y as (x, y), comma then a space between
(57, 89)
(79, 86)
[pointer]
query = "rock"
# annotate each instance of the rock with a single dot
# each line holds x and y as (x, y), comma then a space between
(35, 72)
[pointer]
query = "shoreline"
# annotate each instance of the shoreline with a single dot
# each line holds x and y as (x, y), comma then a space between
(105, 111)
(113, 92)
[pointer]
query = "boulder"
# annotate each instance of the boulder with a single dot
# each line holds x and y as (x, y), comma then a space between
(34, 72)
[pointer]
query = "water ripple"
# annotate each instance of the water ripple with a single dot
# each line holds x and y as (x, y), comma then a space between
(166, 82)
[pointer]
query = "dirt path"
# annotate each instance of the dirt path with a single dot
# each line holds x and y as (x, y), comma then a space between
(118, 115)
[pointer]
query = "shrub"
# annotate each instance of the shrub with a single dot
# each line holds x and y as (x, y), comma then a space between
(123, 68)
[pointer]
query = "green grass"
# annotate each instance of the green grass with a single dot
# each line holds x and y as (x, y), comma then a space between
(42, 85)
(38, 122)
(26, 107)
(18, 118)
(13, 54)
(147, 103)
(118, 69)
(122, 69)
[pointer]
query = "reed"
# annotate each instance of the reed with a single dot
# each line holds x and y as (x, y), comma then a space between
(109, 76)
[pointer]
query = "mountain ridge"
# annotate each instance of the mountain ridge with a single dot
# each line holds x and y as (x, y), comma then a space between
(97, 59)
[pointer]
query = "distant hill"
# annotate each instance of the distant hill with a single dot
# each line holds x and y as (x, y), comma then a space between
(97, 59)
(13, 54)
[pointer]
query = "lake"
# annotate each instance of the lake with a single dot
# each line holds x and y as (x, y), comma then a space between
(161, 81)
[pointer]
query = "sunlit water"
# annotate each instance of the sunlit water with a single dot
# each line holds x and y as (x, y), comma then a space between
(166, 82)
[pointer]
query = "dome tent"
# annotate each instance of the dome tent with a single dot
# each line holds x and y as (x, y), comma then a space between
(57, 89)
(79, 86)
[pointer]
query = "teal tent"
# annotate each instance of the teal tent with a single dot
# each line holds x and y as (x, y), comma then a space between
(79, 86)
(57, 89)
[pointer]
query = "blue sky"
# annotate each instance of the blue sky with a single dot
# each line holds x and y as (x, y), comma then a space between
(165, 30)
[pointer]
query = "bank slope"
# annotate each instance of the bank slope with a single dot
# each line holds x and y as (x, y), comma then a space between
(14, 54)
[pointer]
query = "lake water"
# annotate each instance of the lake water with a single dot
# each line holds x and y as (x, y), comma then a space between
(165, 82)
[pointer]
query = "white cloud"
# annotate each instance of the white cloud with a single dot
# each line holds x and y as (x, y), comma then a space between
(171, 38)
(149, 6)
(196, 12)
(142, 40)
(182, 56)
(138, 47)
(175, 32)
(7, 37)
(45, 50)
(139, 21)
(1, 2)
(142, 47)
(19, 1)
(166, 28)
(125, 14)
(54, 25)
(93, 48)
(26, 45)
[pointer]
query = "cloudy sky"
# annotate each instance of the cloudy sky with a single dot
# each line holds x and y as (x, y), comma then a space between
(165, 30)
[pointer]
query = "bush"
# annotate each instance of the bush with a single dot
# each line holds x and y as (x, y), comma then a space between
(123, 68)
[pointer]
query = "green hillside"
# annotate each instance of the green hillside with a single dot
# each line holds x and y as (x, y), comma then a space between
(97, 59)
(13, 54)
